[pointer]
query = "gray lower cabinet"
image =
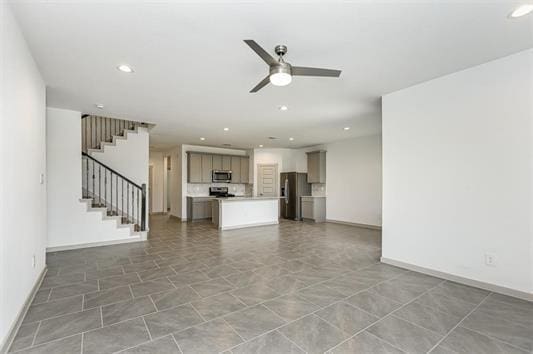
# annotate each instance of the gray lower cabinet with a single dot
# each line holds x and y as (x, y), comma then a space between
(314, 208)
(199, 208)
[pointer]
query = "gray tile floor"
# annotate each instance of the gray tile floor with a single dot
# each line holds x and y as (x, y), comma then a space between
(291, 288)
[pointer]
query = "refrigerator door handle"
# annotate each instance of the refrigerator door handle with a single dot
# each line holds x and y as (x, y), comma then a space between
(286, 191)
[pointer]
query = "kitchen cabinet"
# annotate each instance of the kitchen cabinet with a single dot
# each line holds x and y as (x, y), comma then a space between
(235, 169)
(217, 162)
(226, 163)
(245, 169)
(314, 208)
(200, 167)
(194, 168)
(316, 167)
(207, 167)
(199, 208)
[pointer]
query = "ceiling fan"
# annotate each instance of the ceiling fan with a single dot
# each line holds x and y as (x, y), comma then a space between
(281, 72)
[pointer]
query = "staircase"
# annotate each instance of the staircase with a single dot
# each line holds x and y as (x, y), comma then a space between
(104, 189)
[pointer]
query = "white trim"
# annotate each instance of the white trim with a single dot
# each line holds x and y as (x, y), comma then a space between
(366, 226)
(458, 279)
(138, 238)
(249, 225)
(12, 332)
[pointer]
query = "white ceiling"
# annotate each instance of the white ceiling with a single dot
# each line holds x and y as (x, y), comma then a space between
(193, 71)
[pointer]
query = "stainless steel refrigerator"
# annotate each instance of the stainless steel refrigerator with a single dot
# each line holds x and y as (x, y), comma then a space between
(293, 186)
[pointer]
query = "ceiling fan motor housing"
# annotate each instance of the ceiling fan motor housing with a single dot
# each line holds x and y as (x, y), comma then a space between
(284, 68)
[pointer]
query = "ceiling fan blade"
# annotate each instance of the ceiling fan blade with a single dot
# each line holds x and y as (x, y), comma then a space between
(304, 71)
(260, 85)
(260, 51)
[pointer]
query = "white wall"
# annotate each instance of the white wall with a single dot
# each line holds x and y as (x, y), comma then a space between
(288, 160)
(353, 180)
(129, 157)
(69, 222)
(158, 181)
(22, 160)
(457, 173)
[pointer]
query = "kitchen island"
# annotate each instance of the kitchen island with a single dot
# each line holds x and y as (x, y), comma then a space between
(240, 212)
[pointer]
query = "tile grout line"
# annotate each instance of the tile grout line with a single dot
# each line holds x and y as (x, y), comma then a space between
(147, 329)
(490, 336)
(35, 334)
(391, 314)
(459, 323)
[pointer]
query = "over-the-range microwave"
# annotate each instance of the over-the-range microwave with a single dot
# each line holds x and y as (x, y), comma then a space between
(221, 176)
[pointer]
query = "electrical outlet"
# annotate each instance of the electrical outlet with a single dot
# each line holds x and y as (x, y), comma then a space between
(33, 261)
(41, 178)
(490, 259)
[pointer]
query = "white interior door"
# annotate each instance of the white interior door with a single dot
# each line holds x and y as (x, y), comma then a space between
(267, 180)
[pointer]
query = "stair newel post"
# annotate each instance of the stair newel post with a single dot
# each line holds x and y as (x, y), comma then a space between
(87, 177)
(122, 196)
(132, 205)
(99, 187)
(143, 208)
(127, 202)
(92, 172)
(116, 197)
(138, 210)
(105, 188)
(111, 187)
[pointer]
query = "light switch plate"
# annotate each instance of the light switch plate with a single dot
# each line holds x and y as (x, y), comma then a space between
(41, 178)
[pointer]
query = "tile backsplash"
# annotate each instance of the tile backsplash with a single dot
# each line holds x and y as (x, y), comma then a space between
(318, 189)
(202, 189)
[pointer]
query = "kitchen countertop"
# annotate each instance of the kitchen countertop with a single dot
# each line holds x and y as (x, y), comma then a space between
(239, 199)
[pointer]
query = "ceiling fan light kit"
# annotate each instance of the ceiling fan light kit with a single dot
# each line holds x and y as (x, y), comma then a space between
(281, 72)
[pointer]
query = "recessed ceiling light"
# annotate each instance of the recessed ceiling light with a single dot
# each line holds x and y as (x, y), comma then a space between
(99, 106)
(283, 108)
(346, 128)
(202, 139)
(125, 68)
(260, 146)
(521, 10)
(291, 139)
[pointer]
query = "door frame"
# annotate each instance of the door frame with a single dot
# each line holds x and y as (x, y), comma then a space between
(276, 176)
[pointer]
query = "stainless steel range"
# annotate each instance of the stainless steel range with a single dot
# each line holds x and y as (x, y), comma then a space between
(220, 192)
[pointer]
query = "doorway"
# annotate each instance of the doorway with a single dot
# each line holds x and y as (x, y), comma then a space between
(267, 180)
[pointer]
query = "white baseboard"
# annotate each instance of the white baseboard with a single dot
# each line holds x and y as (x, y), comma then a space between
(12, 332)
(365, 226)
(466, 281)
(249, 225)
(141, 237)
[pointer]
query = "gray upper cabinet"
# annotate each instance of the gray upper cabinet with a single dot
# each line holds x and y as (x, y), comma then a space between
(200, 167)
(194, 168)
(226, 163)
(245, 169)
(207, 167)
(316, 167)
(235, 169)
(217, 162)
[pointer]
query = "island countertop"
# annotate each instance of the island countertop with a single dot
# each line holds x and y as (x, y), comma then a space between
(240, 199)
